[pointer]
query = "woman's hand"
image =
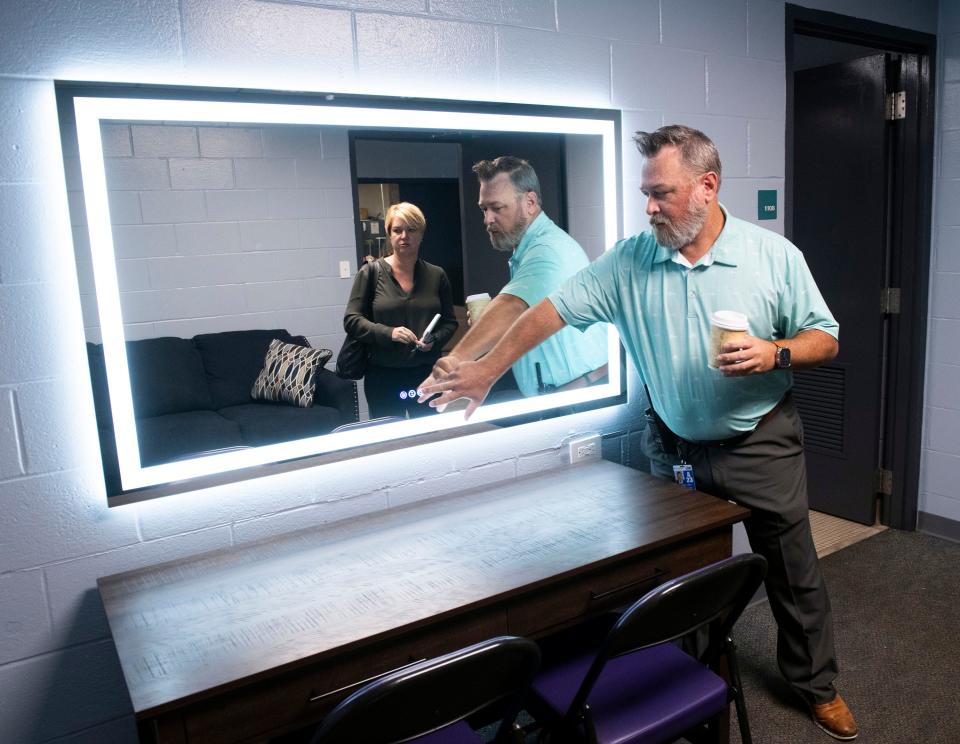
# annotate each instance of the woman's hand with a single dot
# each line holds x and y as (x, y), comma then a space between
(424, 346)
(403, 335)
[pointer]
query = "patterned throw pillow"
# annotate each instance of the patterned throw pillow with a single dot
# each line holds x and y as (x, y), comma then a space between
(288, 373)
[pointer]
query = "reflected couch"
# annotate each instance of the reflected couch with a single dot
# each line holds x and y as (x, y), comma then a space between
(192, 397)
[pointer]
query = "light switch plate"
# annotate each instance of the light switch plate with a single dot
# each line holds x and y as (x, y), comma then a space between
(344, 269)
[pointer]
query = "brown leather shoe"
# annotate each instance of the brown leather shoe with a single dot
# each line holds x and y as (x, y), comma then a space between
(836, 719)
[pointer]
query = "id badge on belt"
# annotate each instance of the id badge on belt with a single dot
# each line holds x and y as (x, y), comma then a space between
(683, 475)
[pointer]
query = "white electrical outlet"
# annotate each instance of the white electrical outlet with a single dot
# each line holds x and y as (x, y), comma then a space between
(584, 447)
(344, 269)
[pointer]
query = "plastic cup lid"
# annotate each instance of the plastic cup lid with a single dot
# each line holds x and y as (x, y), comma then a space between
(729, 320)
(481, 296)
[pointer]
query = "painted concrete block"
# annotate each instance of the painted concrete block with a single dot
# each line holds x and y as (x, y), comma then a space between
(269, 266)
(945, 340)
(765, 23)
(739, 195)
(76, 41)
(941, 471)
(950, 106)
(428, 488)
(26, 623)
(719, 26)
(947, 249)
(28, 119)
(950, 154)
(201, 302)
(265, 173)
(545, 66)
(294, 203)
(198, 238)
(945, 296)
(539, 462)
(947, 201)
(745, 87)
(133, 274)
(132, 174)
(240, 204)
(229, 142)
(11, 459)
(60, 507)
(729, 134)
(951, 56)
(639, 83)
(280, 295)
(527, 13)
(116, 140)
(334, 142)
(292, 142)
(85, 680)
(164, 141)
(21, 324)
(459, 60)
(254, 44)
(173, 206)
(766, 148)
(940, 505)
(941, 389)
(627, 20)
(143, 241)
(203, 173)
(24, 217)
(270, 235)
(942, 428)
(325, 173)
(124, 208)
(327, 233)
(338, 203)
(142, 306)
(46, 440)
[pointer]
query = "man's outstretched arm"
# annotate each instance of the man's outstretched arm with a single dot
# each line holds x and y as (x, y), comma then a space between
(473, 380)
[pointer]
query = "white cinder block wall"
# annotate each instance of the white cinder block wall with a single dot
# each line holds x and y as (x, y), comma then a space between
(941, 455)
(717, 64)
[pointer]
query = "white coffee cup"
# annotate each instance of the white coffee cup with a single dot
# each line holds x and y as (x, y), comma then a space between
(725, 325)
(476, 304)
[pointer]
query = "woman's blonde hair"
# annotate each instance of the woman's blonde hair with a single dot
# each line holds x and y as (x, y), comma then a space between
(409, 213)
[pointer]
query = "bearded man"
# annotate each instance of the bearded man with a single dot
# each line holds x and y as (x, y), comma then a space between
(735, 426)
(542, 257)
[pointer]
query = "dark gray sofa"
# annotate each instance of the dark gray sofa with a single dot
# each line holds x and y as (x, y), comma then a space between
(192, 396)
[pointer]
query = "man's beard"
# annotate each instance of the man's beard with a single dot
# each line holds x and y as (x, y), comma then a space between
(508, 241)
(683, 230)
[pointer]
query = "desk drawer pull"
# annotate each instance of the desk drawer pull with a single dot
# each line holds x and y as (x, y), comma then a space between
(659, 572)
(318, 698)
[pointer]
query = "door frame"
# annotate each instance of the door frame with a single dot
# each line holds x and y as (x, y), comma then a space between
(912, 196)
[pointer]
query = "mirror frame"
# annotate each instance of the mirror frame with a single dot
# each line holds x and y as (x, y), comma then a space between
(95, 103)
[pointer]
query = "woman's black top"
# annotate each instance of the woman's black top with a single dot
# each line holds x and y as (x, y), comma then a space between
(392, 307)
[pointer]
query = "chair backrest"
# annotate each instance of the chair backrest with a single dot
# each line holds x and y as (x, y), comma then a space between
(432, 694)
(716, 594)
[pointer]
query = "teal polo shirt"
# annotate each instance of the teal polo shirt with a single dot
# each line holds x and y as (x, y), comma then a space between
(545, 258)
(662, 309)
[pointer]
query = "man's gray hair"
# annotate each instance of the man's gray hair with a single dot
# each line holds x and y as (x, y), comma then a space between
(697, 151)
(522, 175)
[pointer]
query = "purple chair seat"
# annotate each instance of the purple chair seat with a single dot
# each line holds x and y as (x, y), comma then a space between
(653, 695)
(457, 733)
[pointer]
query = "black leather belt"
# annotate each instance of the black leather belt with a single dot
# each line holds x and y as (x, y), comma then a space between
(674, 443)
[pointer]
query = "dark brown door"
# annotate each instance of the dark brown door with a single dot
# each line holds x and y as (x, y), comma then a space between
(840, 223)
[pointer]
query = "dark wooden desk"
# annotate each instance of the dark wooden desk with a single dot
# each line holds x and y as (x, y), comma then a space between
(242, 644)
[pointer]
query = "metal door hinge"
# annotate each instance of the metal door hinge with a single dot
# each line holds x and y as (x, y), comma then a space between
(890, 300)
(896, 106)
(884, 481)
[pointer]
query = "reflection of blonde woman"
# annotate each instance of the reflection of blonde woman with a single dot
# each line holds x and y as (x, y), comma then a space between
(409, 292)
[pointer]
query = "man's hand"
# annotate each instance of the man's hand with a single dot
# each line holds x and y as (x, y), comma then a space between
(441, 368)
(747, 356)
(469, 380)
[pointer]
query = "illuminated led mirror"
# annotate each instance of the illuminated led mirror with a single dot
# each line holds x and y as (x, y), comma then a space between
(247, 213)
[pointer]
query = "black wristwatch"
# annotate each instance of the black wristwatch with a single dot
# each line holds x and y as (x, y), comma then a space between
(781, 359)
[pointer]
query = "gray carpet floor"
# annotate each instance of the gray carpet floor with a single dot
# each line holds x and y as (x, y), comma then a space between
(896, 608)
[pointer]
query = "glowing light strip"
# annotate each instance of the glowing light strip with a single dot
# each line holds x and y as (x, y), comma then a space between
(91, 112)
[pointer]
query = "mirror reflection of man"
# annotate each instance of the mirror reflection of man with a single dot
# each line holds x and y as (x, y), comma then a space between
(542, 257)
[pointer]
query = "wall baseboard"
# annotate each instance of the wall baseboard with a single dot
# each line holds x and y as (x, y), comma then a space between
(934, 524)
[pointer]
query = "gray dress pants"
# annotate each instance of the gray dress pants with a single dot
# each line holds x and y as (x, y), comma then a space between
(767, 474)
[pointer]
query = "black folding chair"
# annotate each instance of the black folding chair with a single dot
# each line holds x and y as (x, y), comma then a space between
(428, 702)
(640, 686)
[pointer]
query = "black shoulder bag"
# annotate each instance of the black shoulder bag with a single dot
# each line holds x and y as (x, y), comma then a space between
(354, 356)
